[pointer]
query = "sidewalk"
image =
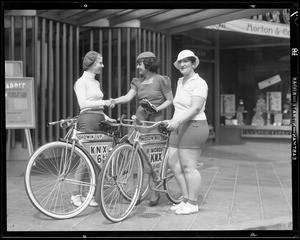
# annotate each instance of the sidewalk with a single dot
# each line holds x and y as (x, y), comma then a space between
(244, 187)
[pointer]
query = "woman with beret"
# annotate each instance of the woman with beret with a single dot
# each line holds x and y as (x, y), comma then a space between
(153, 87)
(189, 131)
(89, 95)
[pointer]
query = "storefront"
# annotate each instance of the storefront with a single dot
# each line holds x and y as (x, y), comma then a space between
(255, 102)
(246, 64)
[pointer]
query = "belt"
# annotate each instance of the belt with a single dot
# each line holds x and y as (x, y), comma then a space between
(97, 111)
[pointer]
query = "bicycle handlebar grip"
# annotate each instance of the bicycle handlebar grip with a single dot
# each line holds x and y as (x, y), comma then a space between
(120, 119)
(52, 123)
(138, 121)
(163, 124)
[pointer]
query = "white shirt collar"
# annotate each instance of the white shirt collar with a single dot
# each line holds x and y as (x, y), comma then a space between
(89, 74)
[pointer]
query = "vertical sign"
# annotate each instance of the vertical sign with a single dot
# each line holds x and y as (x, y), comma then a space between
(274, 102)
(228, 105)
(19, 102)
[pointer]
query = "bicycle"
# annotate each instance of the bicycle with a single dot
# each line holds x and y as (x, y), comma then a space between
(122, 176)
(50, 176)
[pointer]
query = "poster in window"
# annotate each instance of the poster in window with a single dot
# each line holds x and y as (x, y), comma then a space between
(228, 105)
(274, 102)
(19, 102)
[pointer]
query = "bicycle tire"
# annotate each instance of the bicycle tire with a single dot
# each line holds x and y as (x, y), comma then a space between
(117, 177)
(50, 179)
(170, 184)
(145, 183)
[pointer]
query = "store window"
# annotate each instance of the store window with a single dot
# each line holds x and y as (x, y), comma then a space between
(255, 87)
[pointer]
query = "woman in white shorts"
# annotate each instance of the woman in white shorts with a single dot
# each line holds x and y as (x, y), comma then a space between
(189, 131)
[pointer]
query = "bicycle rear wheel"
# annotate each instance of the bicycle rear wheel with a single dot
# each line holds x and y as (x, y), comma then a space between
(170, 184)
(121, 176)
(51, 179)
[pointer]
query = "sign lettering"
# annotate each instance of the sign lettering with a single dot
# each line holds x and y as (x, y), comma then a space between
(254, 27)
(98, 150)
(265, 133)
(19, 102)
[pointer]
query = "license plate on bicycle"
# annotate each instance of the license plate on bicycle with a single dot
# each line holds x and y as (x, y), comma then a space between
(155, 153)
(98, 145)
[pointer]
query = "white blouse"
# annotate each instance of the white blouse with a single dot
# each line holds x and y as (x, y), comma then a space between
(88, 92)
(195, 86)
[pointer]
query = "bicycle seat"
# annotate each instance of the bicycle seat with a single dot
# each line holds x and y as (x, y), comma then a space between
(109, 127)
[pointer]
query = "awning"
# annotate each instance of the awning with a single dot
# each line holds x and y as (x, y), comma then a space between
(167, 21)
(256, 27)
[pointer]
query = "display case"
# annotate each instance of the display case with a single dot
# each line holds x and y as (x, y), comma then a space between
(270, 119)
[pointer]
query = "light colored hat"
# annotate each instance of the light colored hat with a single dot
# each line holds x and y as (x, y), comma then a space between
(145, 55)
(184, 54)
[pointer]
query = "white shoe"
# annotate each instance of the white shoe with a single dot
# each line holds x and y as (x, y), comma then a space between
(76, 200)
(187, 209)
(177, 206)
(92, 203)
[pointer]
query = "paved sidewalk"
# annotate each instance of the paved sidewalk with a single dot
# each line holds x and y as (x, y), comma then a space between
(245, 187)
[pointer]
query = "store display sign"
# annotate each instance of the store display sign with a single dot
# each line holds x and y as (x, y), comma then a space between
(274, 102)
(268, 82)
(19, 102)
(256, 27)
(228, 105)
(266, 133)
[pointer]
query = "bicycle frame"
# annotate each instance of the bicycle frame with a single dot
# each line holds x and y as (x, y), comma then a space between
(83, 140)
(121, 179)
(140, 141)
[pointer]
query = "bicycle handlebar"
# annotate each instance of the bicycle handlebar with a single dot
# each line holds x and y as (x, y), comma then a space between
(63, 122)
(138, 123)
(154, 124)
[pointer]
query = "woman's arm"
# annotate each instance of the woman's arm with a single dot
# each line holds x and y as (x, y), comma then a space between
(126, 98)
(197, 104)
(168, 102)
(107, 118)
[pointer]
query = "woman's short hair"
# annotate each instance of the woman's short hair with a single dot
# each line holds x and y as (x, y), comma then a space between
(151, 64)
(192, 59)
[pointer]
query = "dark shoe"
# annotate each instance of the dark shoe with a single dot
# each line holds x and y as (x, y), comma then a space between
(154, 203)
(138, 202)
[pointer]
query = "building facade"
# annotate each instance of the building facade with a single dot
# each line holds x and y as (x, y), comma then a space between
(236, 57)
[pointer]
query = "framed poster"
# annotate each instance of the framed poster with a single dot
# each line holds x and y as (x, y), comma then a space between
(274, 102)
(19, 102)
(228, 105)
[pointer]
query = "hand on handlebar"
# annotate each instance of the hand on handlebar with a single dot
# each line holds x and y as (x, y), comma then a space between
(173, 124)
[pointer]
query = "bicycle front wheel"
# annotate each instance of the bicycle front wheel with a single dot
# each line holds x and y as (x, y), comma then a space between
(121, 176)
(51, 178)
